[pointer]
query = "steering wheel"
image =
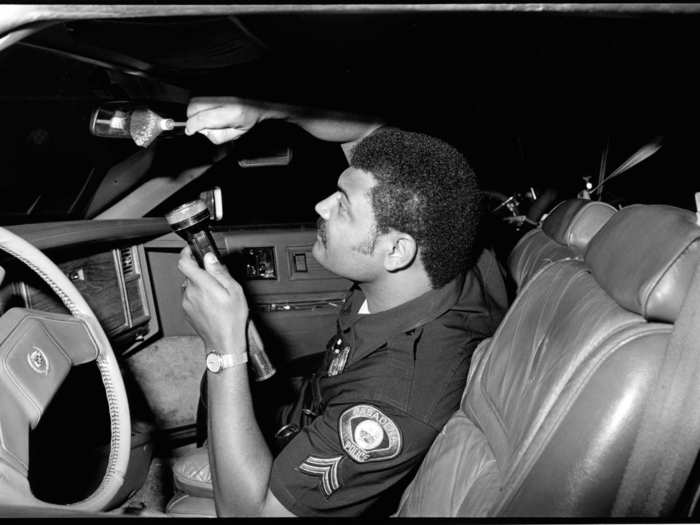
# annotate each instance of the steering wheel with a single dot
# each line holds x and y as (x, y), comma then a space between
(37, 350)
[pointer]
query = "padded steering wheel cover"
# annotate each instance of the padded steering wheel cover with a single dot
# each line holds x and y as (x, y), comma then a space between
(120, 443)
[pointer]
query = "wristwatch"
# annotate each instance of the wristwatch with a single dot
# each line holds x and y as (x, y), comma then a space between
(216, 362)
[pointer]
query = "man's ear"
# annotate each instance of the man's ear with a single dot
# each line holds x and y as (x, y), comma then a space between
(401, 253)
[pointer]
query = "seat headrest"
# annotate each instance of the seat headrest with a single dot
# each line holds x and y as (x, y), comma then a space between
(645, 257)
(574, 222)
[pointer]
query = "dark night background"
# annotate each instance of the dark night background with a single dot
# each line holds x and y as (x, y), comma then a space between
(532, 99)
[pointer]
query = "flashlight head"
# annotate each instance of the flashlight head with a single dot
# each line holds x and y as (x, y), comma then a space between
(194, 213)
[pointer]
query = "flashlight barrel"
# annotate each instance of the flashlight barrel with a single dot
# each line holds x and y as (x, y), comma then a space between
(201, 242)
(259, 362)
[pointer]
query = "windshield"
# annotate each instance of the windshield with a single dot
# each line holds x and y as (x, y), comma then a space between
(50, 163)
(53, 168)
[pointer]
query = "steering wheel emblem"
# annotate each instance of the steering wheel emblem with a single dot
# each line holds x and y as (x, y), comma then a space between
(38, 362)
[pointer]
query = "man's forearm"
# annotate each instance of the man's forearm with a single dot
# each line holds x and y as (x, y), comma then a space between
(239, 458)
(346, 132)
(335, 129)
(330, 126)
(223, 119)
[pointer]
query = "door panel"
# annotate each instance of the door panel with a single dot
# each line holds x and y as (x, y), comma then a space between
(293, 300)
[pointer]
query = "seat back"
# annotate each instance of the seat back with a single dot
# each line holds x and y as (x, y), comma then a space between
(553, 401)
(564, 233)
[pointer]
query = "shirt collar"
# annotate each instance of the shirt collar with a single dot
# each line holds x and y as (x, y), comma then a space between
(372, 330)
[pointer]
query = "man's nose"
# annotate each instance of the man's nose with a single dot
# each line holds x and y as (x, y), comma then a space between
(323, 208)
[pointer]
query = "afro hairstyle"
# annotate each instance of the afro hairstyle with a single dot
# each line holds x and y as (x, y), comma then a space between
(425, 188)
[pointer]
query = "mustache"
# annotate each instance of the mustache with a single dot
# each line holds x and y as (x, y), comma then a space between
(321, 228)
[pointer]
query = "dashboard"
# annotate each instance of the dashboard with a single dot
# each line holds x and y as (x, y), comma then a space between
(113, 284)
(107, 267)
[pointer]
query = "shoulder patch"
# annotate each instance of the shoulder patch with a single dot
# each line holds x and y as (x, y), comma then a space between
(326, 469)
(366, 434)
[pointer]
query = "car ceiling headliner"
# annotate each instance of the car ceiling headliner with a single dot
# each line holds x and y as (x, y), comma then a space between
(540, 68)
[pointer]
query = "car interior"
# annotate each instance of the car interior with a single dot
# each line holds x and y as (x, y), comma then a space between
(583, 402)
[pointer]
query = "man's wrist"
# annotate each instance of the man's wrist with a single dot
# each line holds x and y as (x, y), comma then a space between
(216, 361)
(230, 344)
(225, 353)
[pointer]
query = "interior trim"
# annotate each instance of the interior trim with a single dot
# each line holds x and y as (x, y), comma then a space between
(66, 234)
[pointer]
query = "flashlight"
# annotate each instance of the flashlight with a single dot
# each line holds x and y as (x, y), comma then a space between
(191, 222)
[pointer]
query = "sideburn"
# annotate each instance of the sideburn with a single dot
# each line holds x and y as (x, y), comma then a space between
(367, 247)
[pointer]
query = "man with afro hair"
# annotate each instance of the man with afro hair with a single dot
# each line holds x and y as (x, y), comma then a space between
(426, 189)
(402, 225)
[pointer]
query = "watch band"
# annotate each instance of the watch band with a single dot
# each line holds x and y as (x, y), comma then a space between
(229, 360)
(217, 362)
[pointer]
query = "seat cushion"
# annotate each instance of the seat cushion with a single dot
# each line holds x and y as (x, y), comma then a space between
(192, 475)
(185, 506)
(460, 473)
(574, 222)
(645, 258)
(532, 252)
(565, 233)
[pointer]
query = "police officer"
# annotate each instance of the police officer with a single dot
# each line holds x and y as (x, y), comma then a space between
(402, 226)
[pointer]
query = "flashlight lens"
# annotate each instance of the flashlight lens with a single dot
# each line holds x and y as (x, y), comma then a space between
(188, 214)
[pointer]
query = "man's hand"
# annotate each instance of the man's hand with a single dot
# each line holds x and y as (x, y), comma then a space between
(222, 119)
(214, 303)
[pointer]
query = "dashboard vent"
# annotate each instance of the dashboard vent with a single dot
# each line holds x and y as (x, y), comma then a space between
(127, 258)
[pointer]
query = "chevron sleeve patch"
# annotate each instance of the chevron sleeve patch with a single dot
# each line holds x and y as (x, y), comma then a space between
(326, 469)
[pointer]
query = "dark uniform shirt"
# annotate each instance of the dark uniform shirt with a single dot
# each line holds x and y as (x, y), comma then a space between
(388, 384)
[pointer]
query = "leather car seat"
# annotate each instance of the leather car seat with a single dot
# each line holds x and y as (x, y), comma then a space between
(553, 400)
(564, 233)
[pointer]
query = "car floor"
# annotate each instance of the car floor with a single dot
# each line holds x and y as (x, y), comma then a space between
(165, 378)
(163, 381)
(153, 497)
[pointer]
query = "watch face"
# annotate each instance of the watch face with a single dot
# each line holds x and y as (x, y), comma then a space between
(213, 362)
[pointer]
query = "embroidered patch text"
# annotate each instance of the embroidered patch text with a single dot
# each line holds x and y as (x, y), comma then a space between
(366, 434)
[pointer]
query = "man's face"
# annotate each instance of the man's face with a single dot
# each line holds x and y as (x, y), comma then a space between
(346, 229)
